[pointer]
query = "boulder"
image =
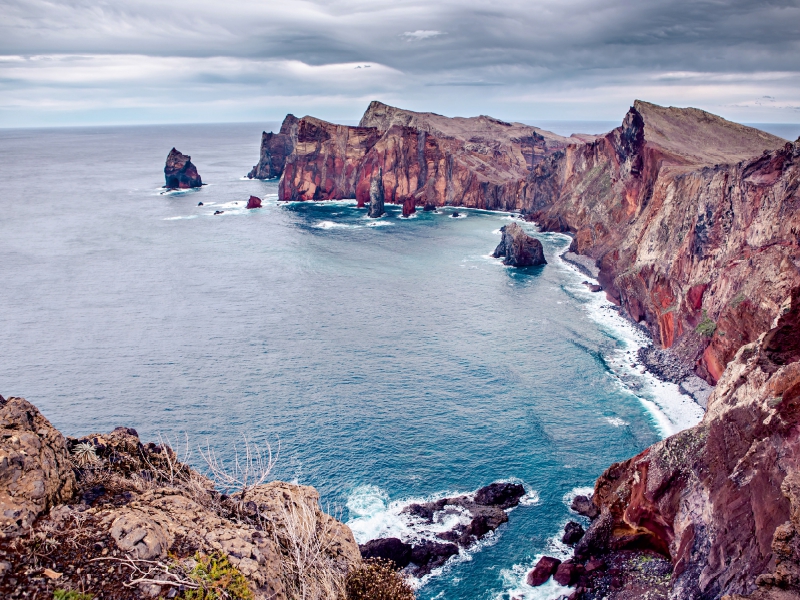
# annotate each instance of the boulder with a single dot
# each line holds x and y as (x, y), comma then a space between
(392, 549)
(518, 249)
(502, 495)
(568, 572)
(35, 468)
(180, 173)
(376, 196)
(254, 202)
(584, 506)
(543, 570)
(573, 532)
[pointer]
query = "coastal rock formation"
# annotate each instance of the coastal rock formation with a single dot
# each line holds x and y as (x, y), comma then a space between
(691, 221)
(720, 500)
(518, 249)
(179, 172)
(376, 198)
(253, 202)
(426, 159)
(275, 147)
(107, 500)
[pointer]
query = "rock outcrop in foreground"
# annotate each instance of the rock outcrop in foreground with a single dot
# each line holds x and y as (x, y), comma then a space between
(518, 249)
(120, 519)
(180, 173)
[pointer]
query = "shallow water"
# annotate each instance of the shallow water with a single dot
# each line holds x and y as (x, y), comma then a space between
(391, 359)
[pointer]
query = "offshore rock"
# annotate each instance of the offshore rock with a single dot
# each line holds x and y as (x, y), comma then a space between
(376, 196)
(179, 172)
(518, 248)
(428, 555)
(573, 532)
(253, 202)
(500, 494)
(583, 505)
(148, 506)
(392, 549)
(275, 147)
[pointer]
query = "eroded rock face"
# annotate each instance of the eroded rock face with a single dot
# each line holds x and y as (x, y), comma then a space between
(376, 197)
(721, 499)
(518, 249)
(275, 147)
(180, 173)
(35, 471)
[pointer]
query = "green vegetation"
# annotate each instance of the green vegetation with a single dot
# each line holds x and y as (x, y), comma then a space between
(70, 595)
(218, 580)
(707, 327)
(737, 301)
(377, 579)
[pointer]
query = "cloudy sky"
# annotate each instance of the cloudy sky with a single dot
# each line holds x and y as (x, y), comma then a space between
(145, 61)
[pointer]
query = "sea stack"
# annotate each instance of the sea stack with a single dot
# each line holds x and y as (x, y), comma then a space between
(376, 196)
(180, 173)
(254, 202)
(518, 248)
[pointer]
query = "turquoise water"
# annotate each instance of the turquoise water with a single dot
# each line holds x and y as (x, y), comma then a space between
(391, 359)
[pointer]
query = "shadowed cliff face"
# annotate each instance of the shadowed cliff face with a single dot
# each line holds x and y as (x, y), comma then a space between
(722, 499)
(275, 147)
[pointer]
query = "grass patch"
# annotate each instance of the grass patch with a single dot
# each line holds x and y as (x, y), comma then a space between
(70, 595)
(706, 327)
(218, 579)
(737, 301)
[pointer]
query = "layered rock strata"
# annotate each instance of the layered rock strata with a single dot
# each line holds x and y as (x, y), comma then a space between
(518, 249)
(180, 173)
(116, 512)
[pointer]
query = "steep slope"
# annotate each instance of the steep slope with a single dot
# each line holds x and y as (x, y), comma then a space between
(701, 251)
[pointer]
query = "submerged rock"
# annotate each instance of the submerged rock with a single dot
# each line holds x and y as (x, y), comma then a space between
(180, 173)
(518, 249)
(376, 197)
(254, 202)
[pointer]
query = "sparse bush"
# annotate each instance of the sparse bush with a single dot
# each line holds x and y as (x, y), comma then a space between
(70, 595)
(377, 579)
(706, 327)
(218, 580)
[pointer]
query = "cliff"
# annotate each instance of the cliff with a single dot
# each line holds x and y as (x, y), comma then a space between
(720, 500)
(179, 172)
(122, 520)
(691, 220)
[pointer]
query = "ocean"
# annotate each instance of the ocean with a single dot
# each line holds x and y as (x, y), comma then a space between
(390, 360)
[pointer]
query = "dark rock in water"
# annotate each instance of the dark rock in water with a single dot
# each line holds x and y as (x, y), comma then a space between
(180, 173)
(518, 248)
(376, 197)
(391, 549)
(568, 572)
(573, 532)
(543, 570)
(199, 204)
(593, 286)
(254, 202)
(455, 215)
(275, 147)
(218, 212)
(583, 505)
(409, 207)
(429, 555)
(429, 207)
(423, 511)
(502, 495)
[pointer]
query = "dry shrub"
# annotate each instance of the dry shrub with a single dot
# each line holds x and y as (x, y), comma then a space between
(377, 579)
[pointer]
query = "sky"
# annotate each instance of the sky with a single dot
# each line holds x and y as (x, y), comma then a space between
(79, 62)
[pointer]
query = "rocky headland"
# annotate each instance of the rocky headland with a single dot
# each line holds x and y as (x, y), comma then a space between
(180, 173)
